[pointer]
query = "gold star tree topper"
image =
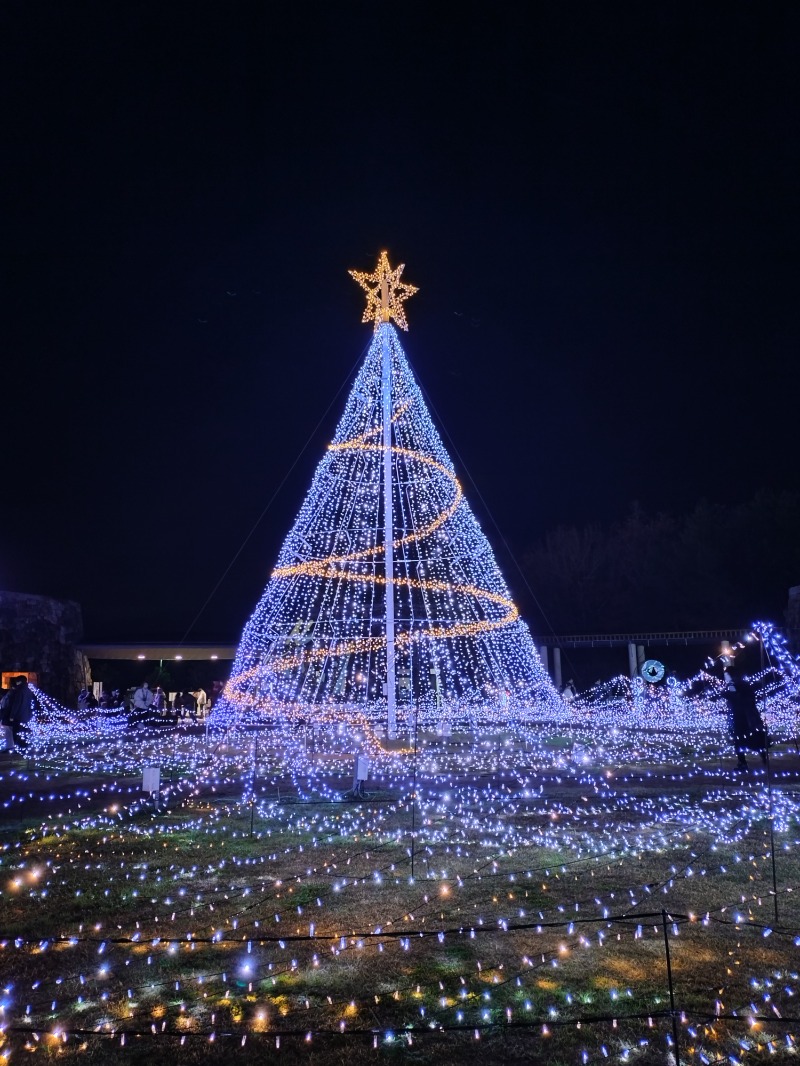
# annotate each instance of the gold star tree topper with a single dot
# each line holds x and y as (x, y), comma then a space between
(385, 293)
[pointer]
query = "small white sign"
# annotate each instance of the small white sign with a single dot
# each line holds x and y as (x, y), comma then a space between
(151, 779)
(362, 768)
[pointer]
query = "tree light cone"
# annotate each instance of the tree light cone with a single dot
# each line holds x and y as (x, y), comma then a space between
(386, 556)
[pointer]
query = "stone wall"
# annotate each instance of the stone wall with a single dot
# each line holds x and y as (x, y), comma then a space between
(39, 633)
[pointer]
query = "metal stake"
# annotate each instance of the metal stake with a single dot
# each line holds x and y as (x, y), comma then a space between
(671, 991)
(253, 788)
(771, 830)
(414, 793)
(388, 533)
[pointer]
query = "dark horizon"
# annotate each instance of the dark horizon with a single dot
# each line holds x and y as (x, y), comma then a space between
(599, 211)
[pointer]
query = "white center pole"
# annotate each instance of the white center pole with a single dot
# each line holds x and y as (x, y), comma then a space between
(388, 530)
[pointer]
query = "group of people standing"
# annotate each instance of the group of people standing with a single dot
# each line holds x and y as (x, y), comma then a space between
(146, 702)
(149, 702)
(745, 723)
(88, 701)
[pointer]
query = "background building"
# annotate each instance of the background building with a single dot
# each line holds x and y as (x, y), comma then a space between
(39, 637)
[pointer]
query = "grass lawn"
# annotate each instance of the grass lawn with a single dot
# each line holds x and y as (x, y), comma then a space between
(533, 929)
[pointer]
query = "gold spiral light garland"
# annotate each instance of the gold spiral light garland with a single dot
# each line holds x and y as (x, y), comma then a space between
(318, 637)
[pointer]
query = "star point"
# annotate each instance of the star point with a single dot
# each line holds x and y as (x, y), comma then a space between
(385, 292)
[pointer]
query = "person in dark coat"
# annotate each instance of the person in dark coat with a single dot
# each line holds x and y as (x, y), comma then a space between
(745, 723)
(186, 704)
(18, 709)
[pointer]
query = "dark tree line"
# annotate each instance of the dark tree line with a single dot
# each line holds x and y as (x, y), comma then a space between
(718, 565)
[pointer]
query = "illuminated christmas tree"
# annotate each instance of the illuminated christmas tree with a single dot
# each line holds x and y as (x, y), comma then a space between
(386, 595)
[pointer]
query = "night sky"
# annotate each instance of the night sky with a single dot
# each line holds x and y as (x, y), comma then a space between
(598, 202)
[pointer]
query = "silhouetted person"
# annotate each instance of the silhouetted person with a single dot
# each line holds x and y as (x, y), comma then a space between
(18, 709)
(745, 723)
(186, 703)
(142, 700)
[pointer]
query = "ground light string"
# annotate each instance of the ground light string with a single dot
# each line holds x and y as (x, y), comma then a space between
(674, 919)
(622, 918)
(466, 929)
(388, 1036)
(375, 1033)
(275, 494)
(500, 533)
(765, 650)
